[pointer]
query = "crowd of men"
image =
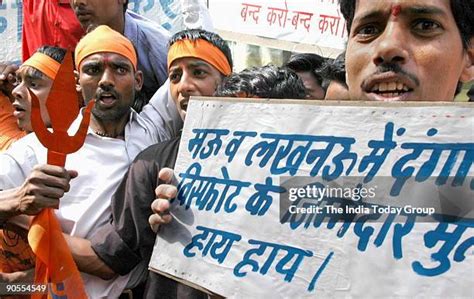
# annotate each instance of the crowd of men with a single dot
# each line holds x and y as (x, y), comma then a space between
(113, 194)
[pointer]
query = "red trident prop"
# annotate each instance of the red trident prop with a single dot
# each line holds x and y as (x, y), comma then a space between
(54, 262)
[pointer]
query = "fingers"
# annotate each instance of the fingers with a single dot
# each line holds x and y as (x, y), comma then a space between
(43, 188)
(7, 71)
(7, 78)
(160, 208)
(72, 174)
(161, 205)
(52, 176)
(166, 175)
(166, 191)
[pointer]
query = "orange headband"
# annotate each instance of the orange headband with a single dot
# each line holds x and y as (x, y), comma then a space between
(44, 64)
(201, 49)
(104, 39)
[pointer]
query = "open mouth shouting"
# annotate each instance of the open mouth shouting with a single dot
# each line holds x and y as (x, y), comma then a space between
(19, 112)
(107, 98)
(389, 87)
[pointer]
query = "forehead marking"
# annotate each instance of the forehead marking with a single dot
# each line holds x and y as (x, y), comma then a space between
(396, 9)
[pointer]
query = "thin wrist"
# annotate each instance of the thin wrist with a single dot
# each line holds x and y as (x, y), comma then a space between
(10, 206)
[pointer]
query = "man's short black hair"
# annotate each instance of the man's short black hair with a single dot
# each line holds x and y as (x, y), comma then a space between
(463, 13)
(54, 52)
(268, 81)
(333, 70)
(306, 62)
(213, 38)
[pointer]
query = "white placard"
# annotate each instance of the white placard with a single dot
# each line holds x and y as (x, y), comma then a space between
(227, 237)
(309, 22)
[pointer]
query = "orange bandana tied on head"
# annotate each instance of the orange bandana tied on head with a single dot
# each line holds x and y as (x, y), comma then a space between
(44, 64)
(104, 39)
(200, 49)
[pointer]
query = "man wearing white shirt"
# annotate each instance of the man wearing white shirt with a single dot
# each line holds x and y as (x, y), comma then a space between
(107, 66)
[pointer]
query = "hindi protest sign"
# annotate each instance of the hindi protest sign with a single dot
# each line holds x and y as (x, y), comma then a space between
(245, 226)
(309, 22)
(10, 30)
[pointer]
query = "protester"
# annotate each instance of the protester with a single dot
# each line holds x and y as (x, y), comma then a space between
(107, 65)
(15, 119)
(198, 61)
(35, 75)
(305, 65)
(333, 73)
(263, 82)
(408, 50)
(149, 39)
(258, 82)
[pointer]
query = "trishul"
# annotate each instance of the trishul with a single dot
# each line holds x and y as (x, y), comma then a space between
(63, 109)
(54, 261)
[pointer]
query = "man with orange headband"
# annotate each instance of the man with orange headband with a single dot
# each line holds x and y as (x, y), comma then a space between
(37, 73)
(107, 65)
(148, 37)
(197, 62)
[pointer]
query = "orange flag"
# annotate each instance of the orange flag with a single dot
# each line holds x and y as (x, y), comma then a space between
(54, 263)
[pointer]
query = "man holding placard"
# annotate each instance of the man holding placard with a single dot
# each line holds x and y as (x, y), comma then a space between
(397, 51)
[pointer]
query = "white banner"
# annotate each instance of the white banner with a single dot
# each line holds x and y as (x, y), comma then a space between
(230, 236)
(10, 30)
(310, 22)
(174, 15)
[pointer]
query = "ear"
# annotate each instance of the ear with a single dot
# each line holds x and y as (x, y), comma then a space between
(138, 80)
(467, 74)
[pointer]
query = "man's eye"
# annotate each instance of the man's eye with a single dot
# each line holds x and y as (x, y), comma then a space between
(426, 26)
(121, 70)
(32, 84)
(174, 77)
(92, 70)
(367, 31)
(199, 73)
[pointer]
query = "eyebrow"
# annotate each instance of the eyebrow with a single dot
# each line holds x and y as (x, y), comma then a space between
(199, 63)
(120, 63)
(123, 64)
(412, 10)
(193, 64)
(33, 74)
(425, 10)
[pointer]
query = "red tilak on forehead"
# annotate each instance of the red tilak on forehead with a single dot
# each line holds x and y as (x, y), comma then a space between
(106, 59)
(396, 10)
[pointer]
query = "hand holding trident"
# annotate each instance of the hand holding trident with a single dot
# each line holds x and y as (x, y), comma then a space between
(54, 261)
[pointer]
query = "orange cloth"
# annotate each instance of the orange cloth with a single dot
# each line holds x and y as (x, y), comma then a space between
(44, 64)
(104, 39)
(61, 271)
(9, 131)
(54, 261)
(201, 49)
